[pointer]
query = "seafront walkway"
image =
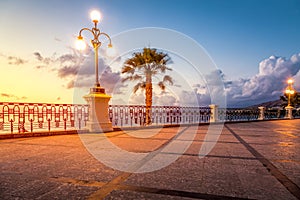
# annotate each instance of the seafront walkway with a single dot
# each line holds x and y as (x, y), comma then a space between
(251, 160)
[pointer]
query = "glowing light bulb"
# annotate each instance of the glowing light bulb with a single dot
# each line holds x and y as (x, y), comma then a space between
(292, 92)
(290, 81)
(110, 51)
(80, 43)
(95, 16)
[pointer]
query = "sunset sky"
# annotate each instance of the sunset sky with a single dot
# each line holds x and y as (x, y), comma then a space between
(254, 46)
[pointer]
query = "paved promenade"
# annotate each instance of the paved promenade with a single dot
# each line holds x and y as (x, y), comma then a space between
(255, 160)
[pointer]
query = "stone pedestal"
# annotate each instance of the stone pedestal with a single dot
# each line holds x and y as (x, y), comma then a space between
(289, 112)
(261, 113)
(214, 113)
(98, 110)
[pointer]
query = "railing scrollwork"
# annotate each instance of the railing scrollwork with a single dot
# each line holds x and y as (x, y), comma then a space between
(30, 117)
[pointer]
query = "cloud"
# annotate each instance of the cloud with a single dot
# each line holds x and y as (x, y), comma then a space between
(57, 39)
(166, 99)
(68, 58)
(78, 70)
(194, 98)
(67, 71)
(81, 82)
(5, 95)
(111, 81)
(38, 56)
(158, 98)
(11, 97)
(137, 99)
(82, 73)
(71, 84)
(267, 85)
(297, 80)
(13, 60)
(43, 60)
(65, 65)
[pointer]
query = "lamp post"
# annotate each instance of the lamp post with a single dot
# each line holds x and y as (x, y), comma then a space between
(95, 16)
(290, 92)
(97, 99)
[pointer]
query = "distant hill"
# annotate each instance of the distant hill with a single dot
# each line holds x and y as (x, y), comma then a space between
(269, 104)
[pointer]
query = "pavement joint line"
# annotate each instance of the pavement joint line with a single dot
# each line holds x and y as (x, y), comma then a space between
(178, 193)
(48, 145)
(154, 139)
(110, 186)
(170, 192)
(212, 156)
(222, 142)
(182, 140)
(282, 178)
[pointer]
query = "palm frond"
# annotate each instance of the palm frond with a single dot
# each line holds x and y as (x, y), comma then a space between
(127, 69)
(136, 77)
(148, 62)
(141, 85)
(161, 85)
(128, 78)
(168, 78)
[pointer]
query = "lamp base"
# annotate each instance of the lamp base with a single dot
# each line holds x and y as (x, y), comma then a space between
(98, 110)
(98, 127)
(97, 89)
(289, 112)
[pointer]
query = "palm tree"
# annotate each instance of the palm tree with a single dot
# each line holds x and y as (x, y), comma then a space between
(143, 67)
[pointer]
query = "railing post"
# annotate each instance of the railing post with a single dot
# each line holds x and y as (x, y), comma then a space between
(49, 124)
(11, 126)
(65, 124)
(261, 112)
(214, 111)
(79, 123)
(289, 112)
(31, 125)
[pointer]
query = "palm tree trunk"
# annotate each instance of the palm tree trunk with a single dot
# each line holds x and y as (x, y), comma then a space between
(148, 99)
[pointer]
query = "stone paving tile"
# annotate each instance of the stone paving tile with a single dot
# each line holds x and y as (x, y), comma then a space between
(279, 142)
(224, 177)
(70, 162)
(235, 150)
(141, 144)
(278, 152)
(131, 195)
(246, 178)
(26, 188)
(29, 165)
(69, 191)
(61, 167)
(288, 168)
(184, 174)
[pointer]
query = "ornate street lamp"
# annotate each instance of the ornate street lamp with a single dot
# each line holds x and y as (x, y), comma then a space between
(290, 91)
(97, 99)
(80, 44)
